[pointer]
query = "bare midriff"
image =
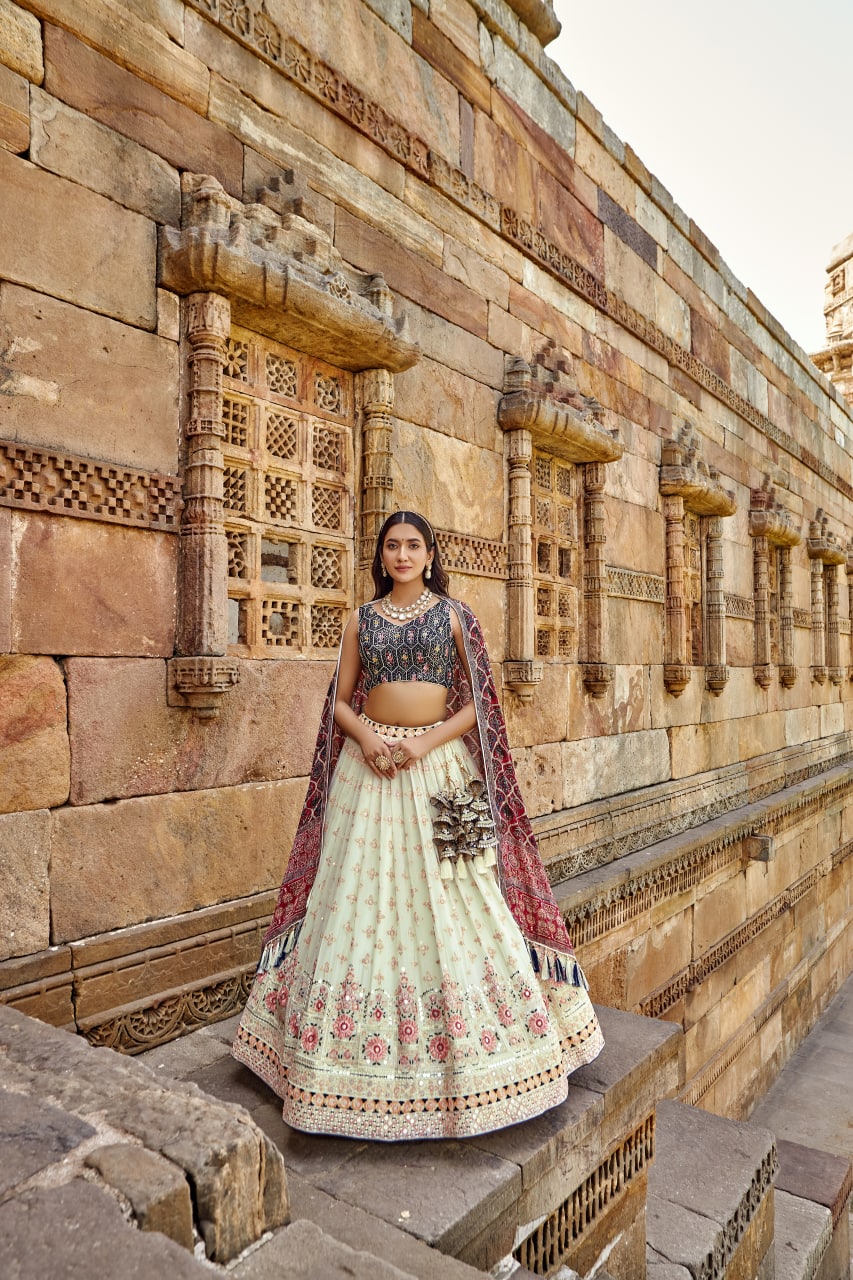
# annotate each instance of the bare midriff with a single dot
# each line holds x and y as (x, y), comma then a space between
(411, 703)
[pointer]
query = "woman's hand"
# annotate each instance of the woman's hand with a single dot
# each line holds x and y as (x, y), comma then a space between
(405, 751)
(374, 748)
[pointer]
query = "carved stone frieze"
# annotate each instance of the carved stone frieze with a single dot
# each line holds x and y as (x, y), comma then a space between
(282, 275)
(554, 1239)
(695, 608)
(135, 1030)
(64, 484)
(548, 423)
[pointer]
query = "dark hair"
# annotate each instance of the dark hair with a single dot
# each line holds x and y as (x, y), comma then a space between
(438, 582)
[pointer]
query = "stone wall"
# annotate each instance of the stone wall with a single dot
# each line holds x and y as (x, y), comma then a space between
(264, 279)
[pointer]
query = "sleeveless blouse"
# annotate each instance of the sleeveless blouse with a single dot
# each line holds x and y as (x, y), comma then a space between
(421, 649)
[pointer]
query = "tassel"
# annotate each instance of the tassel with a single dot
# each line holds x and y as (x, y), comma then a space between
(445, 869)
(534, 960)
(461, 869)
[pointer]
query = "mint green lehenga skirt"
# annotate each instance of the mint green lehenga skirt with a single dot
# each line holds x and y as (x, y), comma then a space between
(406, 1005)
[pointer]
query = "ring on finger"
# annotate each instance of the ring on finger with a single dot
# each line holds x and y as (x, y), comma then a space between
(382, 763)
(398, 756)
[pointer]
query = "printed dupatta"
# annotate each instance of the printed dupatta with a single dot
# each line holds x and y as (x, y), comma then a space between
(522, 877)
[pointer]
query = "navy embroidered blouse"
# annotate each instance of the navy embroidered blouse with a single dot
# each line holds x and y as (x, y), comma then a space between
(422, 649)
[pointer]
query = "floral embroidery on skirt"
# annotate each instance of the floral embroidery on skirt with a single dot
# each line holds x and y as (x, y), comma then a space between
(406, 1005)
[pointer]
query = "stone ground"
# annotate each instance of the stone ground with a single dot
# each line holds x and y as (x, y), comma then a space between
(812, 1100)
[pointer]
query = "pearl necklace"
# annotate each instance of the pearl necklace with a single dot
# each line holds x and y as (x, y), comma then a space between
(410, 611)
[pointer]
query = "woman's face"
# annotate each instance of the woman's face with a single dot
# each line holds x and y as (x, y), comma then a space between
(405, 554)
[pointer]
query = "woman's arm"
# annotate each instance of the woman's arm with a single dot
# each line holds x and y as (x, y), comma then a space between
(348, 672)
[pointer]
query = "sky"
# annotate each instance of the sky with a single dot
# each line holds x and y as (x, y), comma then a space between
(743, 110)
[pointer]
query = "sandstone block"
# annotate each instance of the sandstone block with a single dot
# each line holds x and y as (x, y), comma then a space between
(158, 1191)
(237, 1175)
(119, 864)
(76, 245)
(361, 47)
(24, 887)
(132, 42)
(432, 395)
(168, 315)
(5, 580)
(84, 383)
(125, 576)
(126, 741)
(699, 747)
(302, 1252)
(70, 144)
(84, 1227)
(597, 767)
(34, 748)
(294, 122)
(716, 913)
(569, 224)
(522, 86)
(14, 111)
(459, 23)
(457, 477)
(141, 109)
(463, 351)
(548, 718)
(21, 42)
(364, 246)
(446, 59)
(540, 776)
(34, 1135)
(626, 273)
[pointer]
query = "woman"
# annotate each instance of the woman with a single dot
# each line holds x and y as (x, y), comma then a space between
(417, 980)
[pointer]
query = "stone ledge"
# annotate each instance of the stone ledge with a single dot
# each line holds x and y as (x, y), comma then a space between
(479, 1199)
(93, 1100)
(711, 1194)
(803, 1233)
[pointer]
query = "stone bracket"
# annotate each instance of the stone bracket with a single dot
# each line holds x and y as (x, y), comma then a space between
(522, 677)
(676, 677)
(597, 677)
(716, 678)
(200, 683)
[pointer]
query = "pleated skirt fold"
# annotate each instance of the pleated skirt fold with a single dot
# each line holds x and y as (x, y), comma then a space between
(405, 1005)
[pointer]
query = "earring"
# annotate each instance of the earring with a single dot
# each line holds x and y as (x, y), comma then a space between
(384, 572)
(428, 573)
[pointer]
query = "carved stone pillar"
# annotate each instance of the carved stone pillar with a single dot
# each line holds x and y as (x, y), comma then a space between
(818, 623)
(200, 674)
(787, 669)
(825, 553)
(687, 483)
(833, 652)
(597, 675)
(542, 410)
(676, 669)
(522, 672)
(848, 564)
(716, 671)
(377, 402)
(761, 588)
(772, 526)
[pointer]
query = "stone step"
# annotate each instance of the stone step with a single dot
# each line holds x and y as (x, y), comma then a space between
(709, 1212)
(813, 1192)
(552, 1191)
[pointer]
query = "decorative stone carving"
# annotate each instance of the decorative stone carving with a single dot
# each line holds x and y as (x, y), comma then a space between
(267, 267)
(826, 554)
(688, 485)
(281, 274)
(774, 531)
(542, 409)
